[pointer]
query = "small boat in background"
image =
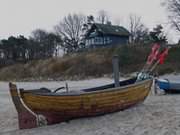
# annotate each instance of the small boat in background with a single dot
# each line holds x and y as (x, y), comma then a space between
(168, 86)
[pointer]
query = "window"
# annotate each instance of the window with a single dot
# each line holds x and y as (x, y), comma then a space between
(100, 40)
(107, 40)
(87, 42)
(92, 41)
(96, 40)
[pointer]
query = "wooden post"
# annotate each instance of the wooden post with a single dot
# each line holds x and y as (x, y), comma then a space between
(115, 62)
(67, 88)
(155, 86)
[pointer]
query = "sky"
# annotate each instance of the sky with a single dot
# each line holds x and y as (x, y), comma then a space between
(21, 17)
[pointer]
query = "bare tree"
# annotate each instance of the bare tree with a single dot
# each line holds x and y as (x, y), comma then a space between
(136, 28)
(102, 17)
(44, 43)
(70, 29)
(173, 7)
(38, 35)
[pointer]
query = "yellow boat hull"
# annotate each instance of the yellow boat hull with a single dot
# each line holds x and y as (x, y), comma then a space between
(56, 108)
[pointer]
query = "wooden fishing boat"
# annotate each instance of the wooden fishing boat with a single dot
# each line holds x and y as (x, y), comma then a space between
(168, 86)
(43, 107)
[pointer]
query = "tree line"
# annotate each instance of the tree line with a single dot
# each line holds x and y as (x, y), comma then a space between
(68, 35)
(40, 45)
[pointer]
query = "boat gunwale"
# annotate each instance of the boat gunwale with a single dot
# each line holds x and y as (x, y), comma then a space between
(81, 92)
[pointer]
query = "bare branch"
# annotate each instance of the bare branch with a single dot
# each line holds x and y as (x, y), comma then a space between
(70, 28)
(136, 28)
(173, 6)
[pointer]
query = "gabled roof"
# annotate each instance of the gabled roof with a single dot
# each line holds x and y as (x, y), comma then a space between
(111, 29)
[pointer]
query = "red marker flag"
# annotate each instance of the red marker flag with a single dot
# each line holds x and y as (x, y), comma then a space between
(163, 55)
(154, 53)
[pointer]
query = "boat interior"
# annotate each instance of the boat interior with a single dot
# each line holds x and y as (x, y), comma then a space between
(62, 90)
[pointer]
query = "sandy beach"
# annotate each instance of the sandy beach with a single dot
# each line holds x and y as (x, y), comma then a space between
(158, 115)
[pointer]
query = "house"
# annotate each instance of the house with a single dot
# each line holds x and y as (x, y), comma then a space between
(106, 35)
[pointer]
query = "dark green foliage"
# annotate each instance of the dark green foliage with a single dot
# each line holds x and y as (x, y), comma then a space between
(157, 35)
(132, 55)
(174, 55)
(40, 45)
(14, 47)
(44, 43)
(172, 63)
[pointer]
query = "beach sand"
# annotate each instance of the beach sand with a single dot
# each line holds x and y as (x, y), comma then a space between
(157, 115)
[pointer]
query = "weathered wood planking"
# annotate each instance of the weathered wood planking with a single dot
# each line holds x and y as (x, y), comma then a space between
(71, 102)
(57, 108)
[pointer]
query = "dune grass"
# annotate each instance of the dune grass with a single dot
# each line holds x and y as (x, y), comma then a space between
(92, 63)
